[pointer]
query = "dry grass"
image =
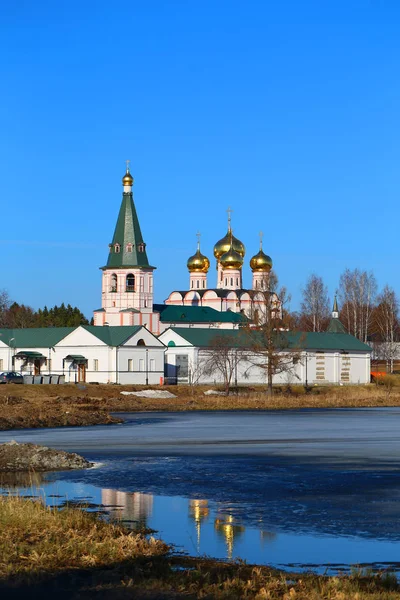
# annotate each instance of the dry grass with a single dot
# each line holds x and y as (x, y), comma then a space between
(70, 554)
(70, 405)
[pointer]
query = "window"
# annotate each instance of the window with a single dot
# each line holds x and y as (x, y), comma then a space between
(130, 364)
(204, 284)
(192, 283)
(141, 364)
(231, 280)
(130, 283)
(129, 248)
(221, 276)
(117, 248)
(198, 283)
(237, 281)
(141, 342)
(113, 283)
(141, 247)
(95, 364)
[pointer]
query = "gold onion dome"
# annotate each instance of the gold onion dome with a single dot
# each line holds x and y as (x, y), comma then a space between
(224, 245)
(198, 263)
(261, 261)
(127, 178)
(231, 259)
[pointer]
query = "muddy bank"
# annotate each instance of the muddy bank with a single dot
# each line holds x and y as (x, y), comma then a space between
(15, 457)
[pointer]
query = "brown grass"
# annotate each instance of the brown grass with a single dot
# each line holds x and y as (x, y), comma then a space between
(47, 553)
(70, 405)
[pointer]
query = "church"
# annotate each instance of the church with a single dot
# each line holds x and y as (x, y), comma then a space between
(135, 341)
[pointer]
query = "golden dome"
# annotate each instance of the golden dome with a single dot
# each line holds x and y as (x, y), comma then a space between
(224, 245)
(127, 178)
(261, 262)
(198, 263)
(231, 259)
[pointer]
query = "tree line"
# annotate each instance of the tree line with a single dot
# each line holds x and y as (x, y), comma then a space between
(14, 315)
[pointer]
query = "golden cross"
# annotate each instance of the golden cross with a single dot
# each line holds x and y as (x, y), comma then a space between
(261, 238)
(229, 211)
(198, 235)
(127, 165)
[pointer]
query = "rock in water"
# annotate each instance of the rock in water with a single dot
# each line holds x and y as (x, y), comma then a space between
(31, 457)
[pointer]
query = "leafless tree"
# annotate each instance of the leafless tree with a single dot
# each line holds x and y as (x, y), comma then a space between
(223, 358)
(315, 304)
(357, 293)
(5, 304)
(269, 343)
(385, 325)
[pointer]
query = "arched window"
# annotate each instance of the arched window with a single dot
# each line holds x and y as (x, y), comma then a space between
(171, 344)
(141, 247)
(204, 284)
(130, 283)
(113, 283)
(129, 247)
(117, 248)
(231, 280)
(198, 283)
(141, 342)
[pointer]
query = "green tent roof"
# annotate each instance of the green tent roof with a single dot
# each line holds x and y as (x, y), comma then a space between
(127, 231)
(198, 314)
(336, 326)
(339, 342)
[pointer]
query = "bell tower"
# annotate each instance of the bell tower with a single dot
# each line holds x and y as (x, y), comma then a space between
(127, 281)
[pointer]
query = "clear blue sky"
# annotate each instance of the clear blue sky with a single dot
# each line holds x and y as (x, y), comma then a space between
(287, 111)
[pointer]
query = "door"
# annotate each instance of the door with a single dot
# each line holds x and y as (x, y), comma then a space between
(81, 373)
(182, 367)
(36, 366)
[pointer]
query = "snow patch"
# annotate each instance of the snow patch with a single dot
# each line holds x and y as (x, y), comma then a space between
(150, 394)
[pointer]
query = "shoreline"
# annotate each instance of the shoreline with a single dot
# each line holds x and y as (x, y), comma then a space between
(29, 406)
(74, 554)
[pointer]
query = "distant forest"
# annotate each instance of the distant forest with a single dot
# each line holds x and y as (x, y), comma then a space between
(14, 315)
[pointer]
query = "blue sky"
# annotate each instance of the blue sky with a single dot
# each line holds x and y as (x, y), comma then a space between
(286, 111)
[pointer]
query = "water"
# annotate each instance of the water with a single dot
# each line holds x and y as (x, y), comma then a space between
(313, 489)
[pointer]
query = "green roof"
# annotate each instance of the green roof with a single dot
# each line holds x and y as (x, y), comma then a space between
(127, 231)
(336, 326)
(114, 335)
(290, 340)
(47, 337)
(199, 314)
(35, 337)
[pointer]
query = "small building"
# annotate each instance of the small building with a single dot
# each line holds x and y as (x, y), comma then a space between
(120, 354)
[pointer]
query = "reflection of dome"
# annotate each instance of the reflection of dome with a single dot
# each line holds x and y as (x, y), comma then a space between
(261, 262)
(127, 178)
(198, 263)
(223, 245)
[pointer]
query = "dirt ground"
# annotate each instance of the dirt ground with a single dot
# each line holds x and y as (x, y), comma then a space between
(80, 404)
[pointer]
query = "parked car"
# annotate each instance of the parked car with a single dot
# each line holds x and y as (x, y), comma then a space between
(11, 377)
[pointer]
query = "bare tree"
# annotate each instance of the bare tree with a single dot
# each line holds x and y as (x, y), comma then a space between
(386, 324)
(269, 343)
(223, 358)
(315, 305)
(5, 304)
(357, 292)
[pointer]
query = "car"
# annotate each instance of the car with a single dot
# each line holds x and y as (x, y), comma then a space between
(11, 377)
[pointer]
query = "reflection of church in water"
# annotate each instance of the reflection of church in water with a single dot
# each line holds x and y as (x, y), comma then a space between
(131, 506)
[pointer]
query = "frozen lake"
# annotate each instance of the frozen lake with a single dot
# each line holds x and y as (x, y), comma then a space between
(302, 488)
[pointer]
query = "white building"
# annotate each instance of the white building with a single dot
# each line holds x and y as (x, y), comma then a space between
(125, 354)
(318, 358)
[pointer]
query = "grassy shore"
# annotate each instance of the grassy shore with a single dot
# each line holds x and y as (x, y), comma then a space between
(70, 405)
(46, 553)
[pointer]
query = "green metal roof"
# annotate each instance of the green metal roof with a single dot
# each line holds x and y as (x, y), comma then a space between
(127, 231)
(47, 337)
(114, 335)
(291, 340)
(199, 314)
(29, 354)
(35, 337)
(336, 326)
